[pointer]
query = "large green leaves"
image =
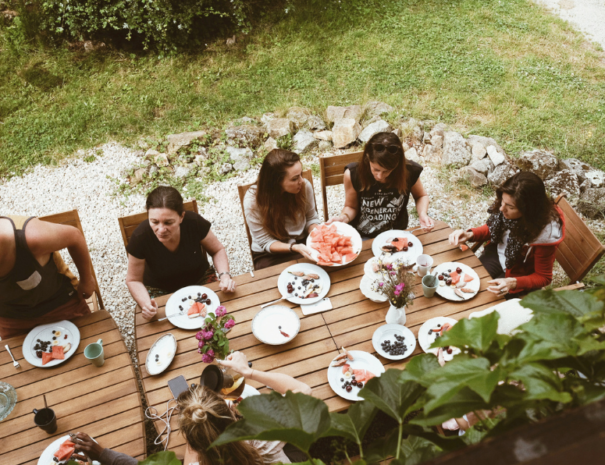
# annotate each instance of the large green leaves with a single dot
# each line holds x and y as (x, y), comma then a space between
(391, 396)
(461, 403)
(476, 333)
(353, 424)
(540, 383)
(578, 304)
(419, 368)
(294, 418)
(161, 458)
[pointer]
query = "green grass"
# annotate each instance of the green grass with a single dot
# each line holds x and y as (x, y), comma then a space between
(501, 68)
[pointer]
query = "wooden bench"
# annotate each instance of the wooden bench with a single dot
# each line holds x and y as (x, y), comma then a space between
(332, 173)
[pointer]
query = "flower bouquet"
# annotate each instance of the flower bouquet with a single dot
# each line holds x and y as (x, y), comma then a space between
(396, 283)
(213, 342)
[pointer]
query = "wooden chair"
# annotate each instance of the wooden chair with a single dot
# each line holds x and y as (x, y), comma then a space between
(579, 251)
(332, 173)
(72, 218)
(129, 223)
(241, 190)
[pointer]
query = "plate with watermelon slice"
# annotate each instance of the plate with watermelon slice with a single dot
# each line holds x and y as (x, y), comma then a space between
(62, 448)
(457, 281)
(303, 283)
(397, 245)
(335, 244)
(188, 307)
(350, 369)
(49, 345)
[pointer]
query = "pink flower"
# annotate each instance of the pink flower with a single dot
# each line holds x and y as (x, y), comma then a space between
(393, 273)
(397, 292)
(389, 267)
(220, 311)
(199, 351)
(198, 335)
(400, 287)
(201, 344)
(380, 284)
(208, 357)
(207, 335)
(230, 324)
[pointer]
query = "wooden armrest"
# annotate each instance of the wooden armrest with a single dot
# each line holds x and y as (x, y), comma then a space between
(570, 287)
(93, 302)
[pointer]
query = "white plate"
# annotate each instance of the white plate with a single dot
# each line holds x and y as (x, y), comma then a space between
(409, 256)
(388, 332)
(365, 286)
(165, 348)
(285, 277)
(363, 360)
(447, 292)
(249, 391)
(369, 271)
(47, 456)
(45, 333)
(425, 340)
(346, 230)
(179, 318)
(266, 325)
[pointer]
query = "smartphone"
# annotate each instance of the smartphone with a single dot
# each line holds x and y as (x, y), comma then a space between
(178, 385)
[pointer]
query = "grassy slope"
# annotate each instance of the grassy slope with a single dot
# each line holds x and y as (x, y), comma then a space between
(503, 68)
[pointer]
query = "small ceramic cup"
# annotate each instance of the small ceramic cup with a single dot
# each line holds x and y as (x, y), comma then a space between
(45, 419)
(424, 263)
(429, 285)
(94, 353)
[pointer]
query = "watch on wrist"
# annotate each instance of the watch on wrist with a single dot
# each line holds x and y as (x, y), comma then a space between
(224, 272)
(292, 245)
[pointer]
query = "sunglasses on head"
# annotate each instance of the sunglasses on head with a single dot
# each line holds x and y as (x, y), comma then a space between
(392, 149)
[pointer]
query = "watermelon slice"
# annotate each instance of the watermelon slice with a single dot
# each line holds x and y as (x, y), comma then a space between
(363, 375)
(468, 278)
(197, 309)
(346, 367)
(350, 257)
(65, 451)
(400, 243)
(46, 357)
(455, 277)
(58, 353)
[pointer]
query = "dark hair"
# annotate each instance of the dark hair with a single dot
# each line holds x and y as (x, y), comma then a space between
(389, 161)
(536, 207)
(274, 205)
(165, 197)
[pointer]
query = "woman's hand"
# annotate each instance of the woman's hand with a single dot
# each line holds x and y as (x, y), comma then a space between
(237, 361)
(151, 310)
(227, 284)
(460, 236)
(342, 218)
(502, 286)
(304, 251)
(86, 447)
(426, 223)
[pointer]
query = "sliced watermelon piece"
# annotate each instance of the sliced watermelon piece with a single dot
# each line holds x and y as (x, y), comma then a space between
(46, 357)
(455, 277)
(468, 278)
(350, 257)
(400, 243)
(58, 353)
(65, 451)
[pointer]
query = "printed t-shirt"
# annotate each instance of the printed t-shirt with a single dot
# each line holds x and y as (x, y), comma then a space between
(168, 270)
(380, 209)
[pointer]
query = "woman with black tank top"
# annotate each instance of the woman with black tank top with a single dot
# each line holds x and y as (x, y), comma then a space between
(168, 252)
(378, 188)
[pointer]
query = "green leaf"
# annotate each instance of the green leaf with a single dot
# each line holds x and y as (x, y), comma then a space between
(540, 383)
(353, 424)
(382, 448)
(417, 450)
(161, 458)
(449, 444)
(419, 367)
(294, 418)
(462, 402)
(391, 396)
(476, 333)
(573, 303)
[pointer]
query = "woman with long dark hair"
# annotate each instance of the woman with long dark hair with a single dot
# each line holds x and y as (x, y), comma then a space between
(378, 188)
(280, 210)
(524, 229)
(168, 252)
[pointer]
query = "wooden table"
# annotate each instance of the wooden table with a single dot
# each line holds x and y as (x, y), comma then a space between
(350, 323)
(101, 401)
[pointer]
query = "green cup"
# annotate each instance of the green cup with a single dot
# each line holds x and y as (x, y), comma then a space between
(429, 285)
(94, 353)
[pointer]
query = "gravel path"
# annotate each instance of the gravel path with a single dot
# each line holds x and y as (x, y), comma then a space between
(587, 15)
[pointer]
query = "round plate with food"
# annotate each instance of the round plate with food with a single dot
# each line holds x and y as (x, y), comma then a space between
(367, 286)
(188, 307)
(457, 281)
(374, 265)
(433, 329)
(56, 447)
(334, 244)
(394, 341)
(398, 245)
(160, 354)
(349, 371)
(303, 283)
(275, 325)
(50, 345)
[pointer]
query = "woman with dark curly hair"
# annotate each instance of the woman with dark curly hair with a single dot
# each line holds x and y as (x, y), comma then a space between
(524, 229)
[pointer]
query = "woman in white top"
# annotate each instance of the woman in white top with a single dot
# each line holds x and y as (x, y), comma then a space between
(280, 211)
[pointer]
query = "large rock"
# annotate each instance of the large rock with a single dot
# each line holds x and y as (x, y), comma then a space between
(279, 127)
(353, 111)
(239, 154)
(596, 178)
(324, 145)
(412, 155)
(298, 116)
(246, 134)
(151, 154)
(323, 135)
(539, 162)
(592, 203)
(577, 166)
(432, 154)
(182, 171)
(270, 144)
(455, 151)
(315, 123)
(374, 128)
(161, 160)
(377, 108)
(303, 141)
(345, 132)
(267, 117)
(474, 177)
(409, 127)
(496, 157)
(484, 166)
(138, 175)
(241, 165)
(564, 182)
(485, 141)
(176, 141)
(501, 173)
(438, 130)
(437, 141)
(479, 151)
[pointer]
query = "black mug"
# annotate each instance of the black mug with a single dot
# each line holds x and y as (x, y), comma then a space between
(45, 418)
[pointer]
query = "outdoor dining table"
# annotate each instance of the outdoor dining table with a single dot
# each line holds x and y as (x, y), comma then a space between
(103, 402)
(351, 323)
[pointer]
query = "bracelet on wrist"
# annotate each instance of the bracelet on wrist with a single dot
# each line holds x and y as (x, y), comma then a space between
(224, 272)
(347, 215)
(291, 246)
